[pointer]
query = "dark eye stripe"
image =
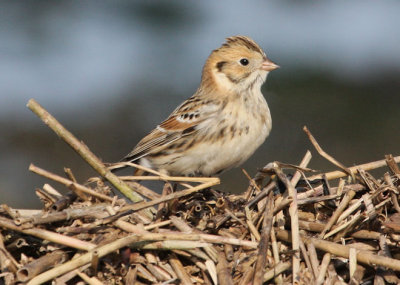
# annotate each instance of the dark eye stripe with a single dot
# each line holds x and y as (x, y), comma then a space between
(220, 65)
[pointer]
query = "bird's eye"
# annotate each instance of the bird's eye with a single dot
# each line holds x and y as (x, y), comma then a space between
(244, 61)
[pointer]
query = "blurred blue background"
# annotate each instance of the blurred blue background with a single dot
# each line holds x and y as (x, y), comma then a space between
(111, 71)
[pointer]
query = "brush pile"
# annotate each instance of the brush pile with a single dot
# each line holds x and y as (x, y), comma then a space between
(340, 227)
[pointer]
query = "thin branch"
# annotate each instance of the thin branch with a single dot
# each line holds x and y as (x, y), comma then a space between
(83, 151)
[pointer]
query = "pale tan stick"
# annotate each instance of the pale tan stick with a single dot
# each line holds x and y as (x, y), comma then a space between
(251, 180)
(313, 259)
(131, 240)
(250, 224)
(347, 198)
(314, 200)
(179, 270)
(365, 234)
(340, 188)
(87, 279)
(64, 279)
(324, 154)
(170, 178)
(294, 222)
(161, 176)
(366, 166)
(317, 191)
(157, 225)
(293, 211)
(363, 256)
(173, 245)
(157, 272)
(207, 238)
(337, 229)
(69, 174)
(303, 164)
(131, 164)
(352, 261)
(53, 192)
(96, 211)
(212, 270)
(82, 150)
(252, 185)
(275, 252)
(350, 210)
(358, 218)
(69, 183)
(145, 274)
(142, 190)
(278, 269)
(131, 276)
(318, 227)
(25, 213)
(48, 235)
(175, 195)
(323, 268)
(305, 255)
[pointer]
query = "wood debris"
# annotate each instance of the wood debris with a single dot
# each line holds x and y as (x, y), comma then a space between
(289, 226)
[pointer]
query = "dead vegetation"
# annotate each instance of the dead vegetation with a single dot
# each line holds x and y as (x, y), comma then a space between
(284, 228)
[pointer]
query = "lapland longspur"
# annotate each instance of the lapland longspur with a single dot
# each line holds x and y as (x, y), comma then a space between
(222, 124)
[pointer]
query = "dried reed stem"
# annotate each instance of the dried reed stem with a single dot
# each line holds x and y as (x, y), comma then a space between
(323, 268)
(324, 154)
(363, 256)
(345, 202)
(179, 270)
(48, 235)
(278, 269)
(294, 222)
(83, 259)
(82, 150)
(166, 198)
(69, 183)
(366, 166)
(171, 178)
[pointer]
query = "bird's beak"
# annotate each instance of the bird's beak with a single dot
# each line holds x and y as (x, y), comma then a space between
(268, 65)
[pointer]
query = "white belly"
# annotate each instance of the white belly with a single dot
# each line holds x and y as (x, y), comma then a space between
(213, 156)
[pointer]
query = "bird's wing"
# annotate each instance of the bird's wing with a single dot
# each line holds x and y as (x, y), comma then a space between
(184, 121)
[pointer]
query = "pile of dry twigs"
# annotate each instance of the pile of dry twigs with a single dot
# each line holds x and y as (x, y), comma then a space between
(283, 228)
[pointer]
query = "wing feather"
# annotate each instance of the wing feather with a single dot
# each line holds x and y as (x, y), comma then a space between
(183, 122)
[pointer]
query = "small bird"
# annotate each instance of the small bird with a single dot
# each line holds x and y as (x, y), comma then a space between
(222, 124)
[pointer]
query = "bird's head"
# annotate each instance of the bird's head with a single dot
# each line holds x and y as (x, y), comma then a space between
(238, 65)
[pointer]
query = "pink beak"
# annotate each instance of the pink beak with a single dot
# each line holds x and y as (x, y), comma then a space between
(268, 65)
